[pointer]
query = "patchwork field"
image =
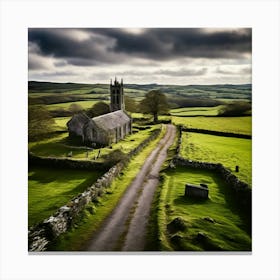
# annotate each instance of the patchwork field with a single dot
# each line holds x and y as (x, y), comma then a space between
(50, 188)
(229, 151)
(209, 225)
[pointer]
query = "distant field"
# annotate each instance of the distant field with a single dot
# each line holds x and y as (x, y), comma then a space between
(51, 188)
(241, 125)
(229, 151)
(225, 92)
(200, 111)
(227, 232)
(85, 104)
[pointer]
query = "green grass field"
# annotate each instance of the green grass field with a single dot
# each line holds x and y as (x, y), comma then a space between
(217, 218)
(228, 151)
(50, 188)
(242, 125)
(195, 111)
(85, 104)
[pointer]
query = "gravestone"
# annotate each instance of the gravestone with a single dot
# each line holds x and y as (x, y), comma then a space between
(200, 191)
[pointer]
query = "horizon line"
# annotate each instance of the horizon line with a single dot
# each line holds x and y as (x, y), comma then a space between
(83, 83)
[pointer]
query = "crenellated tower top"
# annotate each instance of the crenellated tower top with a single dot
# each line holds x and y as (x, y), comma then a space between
(116, 95)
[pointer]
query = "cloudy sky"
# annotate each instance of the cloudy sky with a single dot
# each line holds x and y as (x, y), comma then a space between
(152, 55)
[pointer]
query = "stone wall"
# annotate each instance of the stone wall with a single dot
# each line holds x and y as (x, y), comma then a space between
(40, 236)
(225, 173)
(217, 133)
(65, 163)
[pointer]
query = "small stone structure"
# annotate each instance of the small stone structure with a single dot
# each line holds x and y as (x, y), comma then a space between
(200, 191)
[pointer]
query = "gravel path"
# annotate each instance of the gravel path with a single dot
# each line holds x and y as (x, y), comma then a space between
(125, 228)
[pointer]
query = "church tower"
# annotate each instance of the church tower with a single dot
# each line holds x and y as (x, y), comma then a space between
(116, 95)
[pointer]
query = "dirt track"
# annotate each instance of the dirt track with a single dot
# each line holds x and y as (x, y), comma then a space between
(125, 228)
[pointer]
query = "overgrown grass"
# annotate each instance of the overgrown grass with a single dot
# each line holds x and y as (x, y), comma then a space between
(50, 188)
(210, 225)
(95, 213)
(241, 125)
(228, 151)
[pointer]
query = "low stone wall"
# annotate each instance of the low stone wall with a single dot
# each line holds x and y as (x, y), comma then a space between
(65, 163)
(179, 142)
(217, 133)
(45, 232)
(226, 174)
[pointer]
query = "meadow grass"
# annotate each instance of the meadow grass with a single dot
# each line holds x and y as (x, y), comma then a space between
(217, 218)
(51, 188)
(242, 125)
(94, 214)
(228, 151)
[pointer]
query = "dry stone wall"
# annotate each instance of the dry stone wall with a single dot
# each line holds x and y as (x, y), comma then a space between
(217, 133)
(65, 163)
(41, 235)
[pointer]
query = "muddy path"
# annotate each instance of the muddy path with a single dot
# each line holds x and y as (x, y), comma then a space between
(125, 229)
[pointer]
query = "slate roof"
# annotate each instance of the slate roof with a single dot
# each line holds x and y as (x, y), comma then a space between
(111, 120)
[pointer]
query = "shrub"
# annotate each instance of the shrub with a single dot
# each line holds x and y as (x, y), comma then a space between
(235, 109)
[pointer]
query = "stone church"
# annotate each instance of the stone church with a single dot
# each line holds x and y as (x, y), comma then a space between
(105, 129)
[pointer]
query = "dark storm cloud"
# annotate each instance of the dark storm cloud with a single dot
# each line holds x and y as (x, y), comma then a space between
(168, 43)
(104, 46)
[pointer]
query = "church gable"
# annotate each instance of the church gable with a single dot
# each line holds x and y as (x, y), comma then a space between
(76, 125)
